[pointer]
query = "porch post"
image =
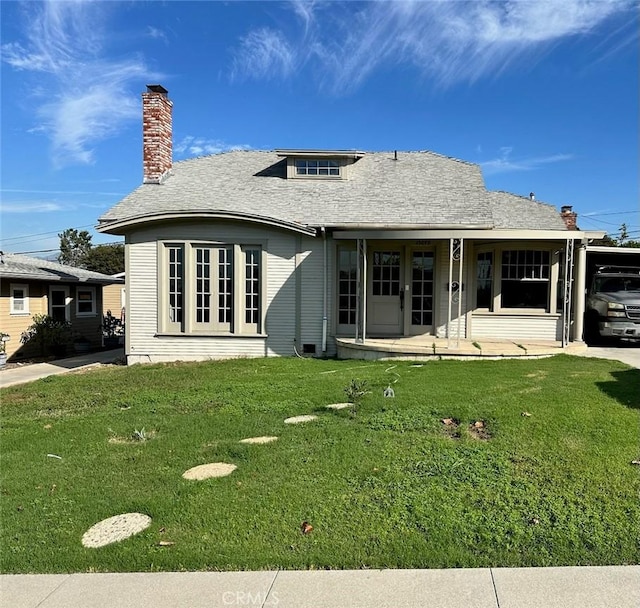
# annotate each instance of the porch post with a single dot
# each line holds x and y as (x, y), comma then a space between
(364, 290)
(455, 288)
(568, 288)
(361, 291)
(460, 292)
(579, 293)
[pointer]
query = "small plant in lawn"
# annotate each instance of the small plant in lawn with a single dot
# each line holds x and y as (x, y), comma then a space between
(355, 390)
(139, 435)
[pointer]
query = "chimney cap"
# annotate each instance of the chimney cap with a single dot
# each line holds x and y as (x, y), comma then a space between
(156, 88)
(566, 208)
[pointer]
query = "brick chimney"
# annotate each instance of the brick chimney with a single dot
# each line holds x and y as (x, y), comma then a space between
(157, 147)
(569, 216)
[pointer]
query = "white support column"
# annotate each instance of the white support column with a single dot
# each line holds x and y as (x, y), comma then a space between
(361, 294)
(364, 290)
(460, 264)
(579, 294)
(450, 294)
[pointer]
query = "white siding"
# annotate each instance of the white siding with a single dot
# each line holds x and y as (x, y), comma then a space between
(311, 293)
(280, 324)
(516, 327)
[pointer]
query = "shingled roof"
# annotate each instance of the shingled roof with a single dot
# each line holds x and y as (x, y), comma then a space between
(25, 268)
(417, 189)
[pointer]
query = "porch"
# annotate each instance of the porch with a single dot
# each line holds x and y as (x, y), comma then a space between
(424, 348)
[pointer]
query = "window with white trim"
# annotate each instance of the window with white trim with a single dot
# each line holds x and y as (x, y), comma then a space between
(211, 288)
(321, 167)
(525, 279)
(85, 301)
(19, 300)
(347, 286)
(484, 280)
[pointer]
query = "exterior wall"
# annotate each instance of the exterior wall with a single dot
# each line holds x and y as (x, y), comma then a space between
(15, 324)
(286, 317)
(517, 327)
(112, 299)
(514, 324)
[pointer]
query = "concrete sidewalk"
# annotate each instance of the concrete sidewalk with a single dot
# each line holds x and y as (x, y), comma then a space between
(35, 371)
(575, 587)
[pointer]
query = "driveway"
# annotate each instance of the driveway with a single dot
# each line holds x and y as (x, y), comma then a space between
(626, 351)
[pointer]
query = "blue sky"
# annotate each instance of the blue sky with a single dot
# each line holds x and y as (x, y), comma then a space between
(543, 95)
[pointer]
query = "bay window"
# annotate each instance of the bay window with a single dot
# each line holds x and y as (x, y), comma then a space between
(211, 288)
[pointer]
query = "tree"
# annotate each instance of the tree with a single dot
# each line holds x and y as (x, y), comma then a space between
(107, 259)
(74, 246)
(77, 250)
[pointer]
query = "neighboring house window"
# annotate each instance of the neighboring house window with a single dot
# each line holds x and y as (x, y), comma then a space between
(525, 279)
(484, 280)
(347, 286)
(19, 301)
(210, 288)
(85, 301)
(320, 167)
(59, 303)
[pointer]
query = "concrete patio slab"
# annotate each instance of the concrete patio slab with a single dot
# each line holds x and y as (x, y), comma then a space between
(460, 588)
(584, 587)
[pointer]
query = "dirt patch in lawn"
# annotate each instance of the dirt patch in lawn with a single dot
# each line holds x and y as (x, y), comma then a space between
(478, 430)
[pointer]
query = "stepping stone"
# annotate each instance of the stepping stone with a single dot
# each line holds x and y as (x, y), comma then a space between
(213, 469)
(115, 529)
(258, 440)
(299, 419)
(339, 406)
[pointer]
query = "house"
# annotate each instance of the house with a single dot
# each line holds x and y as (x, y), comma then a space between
(30, 286)
(113, 296)
(254, 253)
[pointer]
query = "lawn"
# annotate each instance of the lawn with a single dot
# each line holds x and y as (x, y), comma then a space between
(545, 478)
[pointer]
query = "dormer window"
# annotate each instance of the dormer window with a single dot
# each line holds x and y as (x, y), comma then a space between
(320, 164)
(317, 167)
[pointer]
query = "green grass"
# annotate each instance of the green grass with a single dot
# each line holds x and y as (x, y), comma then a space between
(390, 486)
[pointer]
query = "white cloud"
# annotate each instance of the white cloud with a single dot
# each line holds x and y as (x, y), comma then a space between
(446, 40)
(82, 97)
(263, 53)
(158, 34)
(30, 207)
(505, 164)
(199, 146)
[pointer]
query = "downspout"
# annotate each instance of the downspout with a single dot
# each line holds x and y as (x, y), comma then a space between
(324, 289)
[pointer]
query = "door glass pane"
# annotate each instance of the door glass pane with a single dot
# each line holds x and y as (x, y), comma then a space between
(386, 273)
(422, 288)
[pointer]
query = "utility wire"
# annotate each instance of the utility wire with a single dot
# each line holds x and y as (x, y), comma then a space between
(29, 236)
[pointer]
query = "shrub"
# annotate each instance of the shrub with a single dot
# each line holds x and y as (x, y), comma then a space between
(49, 335)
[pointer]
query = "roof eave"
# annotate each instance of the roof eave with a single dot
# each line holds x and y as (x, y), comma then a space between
(123, 226)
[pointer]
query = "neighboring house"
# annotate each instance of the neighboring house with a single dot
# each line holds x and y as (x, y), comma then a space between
(252, 253)
(113, 296)
(30, 286)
